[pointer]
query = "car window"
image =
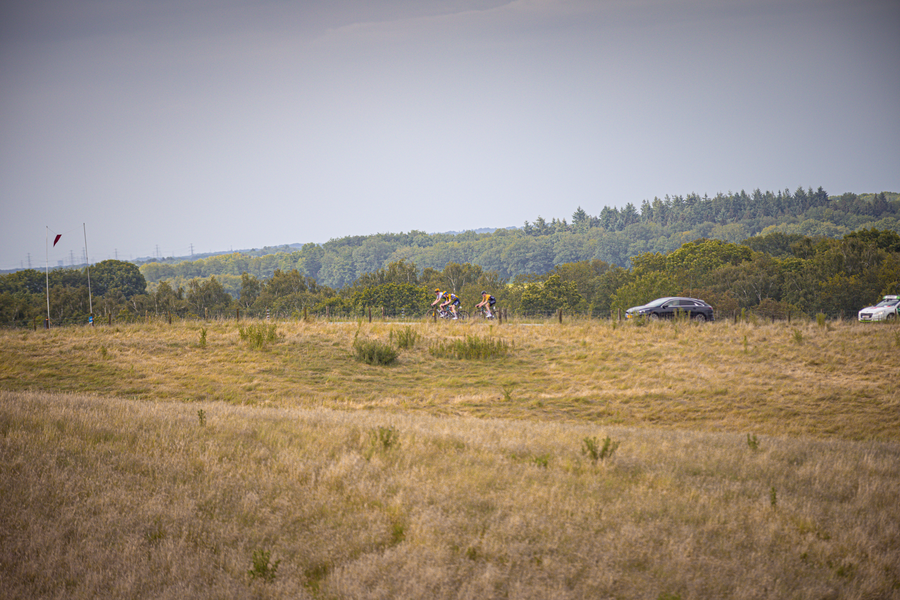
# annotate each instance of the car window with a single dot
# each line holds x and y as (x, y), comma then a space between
(658, 302)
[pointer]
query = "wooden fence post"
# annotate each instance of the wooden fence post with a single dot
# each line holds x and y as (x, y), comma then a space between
(370, 314)
(559, 314)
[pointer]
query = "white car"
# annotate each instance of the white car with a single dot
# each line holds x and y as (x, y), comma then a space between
(886, 310)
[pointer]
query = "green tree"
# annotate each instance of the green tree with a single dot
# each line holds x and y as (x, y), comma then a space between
(552, 294)
(208, 297)
(643, 289)
(395, 298)
(250, 290)
(117, 275)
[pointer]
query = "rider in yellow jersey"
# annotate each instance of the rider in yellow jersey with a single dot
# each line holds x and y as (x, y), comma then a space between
(452, 301)
(487, 302)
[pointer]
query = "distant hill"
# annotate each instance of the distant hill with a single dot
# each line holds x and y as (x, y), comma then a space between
(613, 236)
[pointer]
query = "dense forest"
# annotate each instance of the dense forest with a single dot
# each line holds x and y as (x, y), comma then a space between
(613, 237)
(770, 254)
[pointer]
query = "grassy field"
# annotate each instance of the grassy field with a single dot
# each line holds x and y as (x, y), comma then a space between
(744, 461)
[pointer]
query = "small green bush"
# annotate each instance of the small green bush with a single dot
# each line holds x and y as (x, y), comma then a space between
(262, 567)
(373, 352)
(385, 438)
(752, 442)
(472, 347)
(257, 336)
(593, 449)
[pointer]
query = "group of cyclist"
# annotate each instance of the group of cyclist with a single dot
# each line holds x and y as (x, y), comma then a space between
(451, 300)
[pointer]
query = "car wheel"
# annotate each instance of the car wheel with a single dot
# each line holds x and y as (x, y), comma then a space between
(654, 317)
(700, 318)
(890, 318)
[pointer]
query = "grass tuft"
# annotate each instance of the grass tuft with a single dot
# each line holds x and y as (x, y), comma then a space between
(471, 347)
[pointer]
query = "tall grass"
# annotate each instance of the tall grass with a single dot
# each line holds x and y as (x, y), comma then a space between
(115, 498)
(839, 382)
(470, 347)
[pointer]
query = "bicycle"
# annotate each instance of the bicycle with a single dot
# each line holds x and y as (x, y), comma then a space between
(443, 313)
(483, 313)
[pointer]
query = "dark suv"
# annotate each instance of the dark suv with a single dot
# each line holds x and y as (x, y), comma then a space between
(666, 308)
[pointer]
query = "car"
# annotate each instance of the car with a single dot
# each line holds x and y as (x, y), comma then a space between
(667, 308)
(886, 310)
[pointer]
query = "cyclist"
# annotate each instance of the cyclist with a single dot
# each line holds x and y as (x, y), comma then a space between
(452, 301)
(487, 303)
(439, 298)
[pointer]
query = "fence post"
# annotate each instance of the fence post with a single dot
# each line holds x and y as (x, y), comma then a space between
(327, 312)
(370, 314)
(169, 317)
(109, 319)
(559, 314)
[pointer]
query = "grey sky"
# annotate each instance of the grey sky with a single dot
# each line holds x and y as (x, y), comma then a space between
(239, 124)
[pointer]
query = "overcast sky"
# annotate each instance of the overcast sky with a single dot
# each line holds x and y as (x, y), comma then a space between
(167, 126)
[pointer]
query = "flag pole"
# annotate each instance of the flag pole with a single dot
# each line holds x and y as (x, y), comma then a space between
(47, 274)
(88, 261)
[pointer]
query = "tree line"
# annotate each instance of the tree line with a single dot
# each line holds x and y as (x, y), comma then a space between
(613, 237)
(772, 275)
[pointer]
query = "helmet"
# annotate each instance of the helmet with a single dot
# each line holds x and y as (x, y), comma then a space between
(437, 290)
(483, 292)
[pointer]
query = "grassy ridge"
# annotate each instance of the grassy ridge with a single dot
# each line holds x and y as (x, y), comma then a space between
(797, 379)
(158, 461)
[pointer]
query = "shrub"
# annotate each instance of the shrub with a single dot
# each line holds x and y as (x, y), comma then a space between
(752, 442)
(593, 449)
(262, 567)
(257, 336)
(472, 347)
(373, 352)
(385, 438)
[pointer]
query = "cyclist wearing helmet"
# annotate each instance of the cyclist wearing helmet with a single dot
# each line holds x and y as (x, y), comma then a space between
(452, 301)
(440, 295)
(487, 302)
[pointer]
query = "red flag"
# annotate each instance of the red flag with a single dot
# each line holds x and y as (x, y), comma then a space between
(56, 239)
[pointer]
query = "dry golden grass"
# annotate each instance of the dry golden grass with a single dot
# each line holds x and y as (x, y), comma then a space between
(136, 462)
(793, 379)
(115, 498)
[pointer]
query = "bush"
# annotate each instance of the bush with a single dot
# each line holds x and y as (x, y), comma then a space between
(257, 336)
(373, 352)
(472, 347)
